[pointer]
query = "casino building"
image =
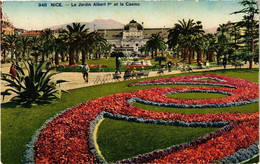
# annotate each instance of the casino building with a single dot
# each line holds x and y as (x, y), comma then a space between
(132, 37)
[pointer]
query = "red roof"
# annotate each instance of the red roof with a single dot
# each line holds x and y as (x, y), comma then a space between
(31, 33)
(58, 29)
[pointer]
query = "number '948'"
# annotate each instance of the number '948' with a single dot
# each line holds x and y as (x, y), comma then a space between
(42, 4)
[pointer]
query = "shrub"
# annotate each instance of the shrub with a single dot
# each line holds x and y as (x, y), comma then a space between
(34, 88)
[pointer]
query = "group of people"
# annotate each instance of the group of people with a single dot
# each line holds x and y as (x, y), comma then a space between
(134, 72)
(86, 69)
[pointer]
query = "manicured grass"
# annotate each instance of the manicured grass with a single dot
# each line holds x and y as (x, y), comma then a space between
(110, 62)
(196, 95)
(253, 160)
(130, 139)
(18, 124)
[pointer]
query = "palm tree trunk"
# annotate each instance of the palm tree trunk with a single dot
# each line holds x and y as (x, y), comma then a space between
(155, 52)
(56, 58)
(199, 56)
(71, 57)
(190, 56)
(12, 54)
(4, 52)
(83, 57)
(62, 57)
(210, 57)
(77, 56)
(185, 53)
(43, 57)
(152, 54)
(252, 51)
(96, 55)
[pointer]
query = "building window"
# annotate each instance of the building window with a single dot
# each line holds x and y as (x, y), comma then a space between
(127, 45)
(136, 45)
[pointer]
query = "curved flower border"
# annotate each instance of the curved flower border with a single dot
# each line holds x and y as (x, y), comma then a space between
(67, 138)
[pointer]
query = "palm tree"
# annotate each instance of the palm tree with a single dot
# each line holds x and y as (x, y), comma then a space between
(98, 44)
(107, 50)
(59, 47)
(222, 29)
(25, 44)
(199, 45)
(46, 43)
(36, 47)
(4, 48)
(210, 46)
(72, 40)
(155, 43)
(11, 42)
(182, 33)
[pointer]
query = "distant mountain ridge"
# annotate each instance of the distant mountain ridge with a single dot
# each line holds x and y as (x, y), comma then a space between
(111, 24)
(211, 30)
(96, 24)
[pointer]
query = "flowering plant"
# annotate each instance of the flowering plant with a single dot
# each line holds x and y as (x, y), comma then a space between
(68, 137)
(97, 66)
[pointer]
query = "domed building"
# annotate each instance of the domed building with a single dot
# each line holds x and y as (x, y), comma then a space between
(131, 38)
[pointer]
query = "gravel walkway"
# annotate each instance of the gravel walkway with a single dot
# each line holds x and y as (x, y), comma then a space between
(75, 79)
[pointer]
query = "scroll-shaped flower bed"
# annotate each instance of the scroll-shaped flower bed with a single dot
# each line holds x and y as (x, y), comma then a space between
(67, 138)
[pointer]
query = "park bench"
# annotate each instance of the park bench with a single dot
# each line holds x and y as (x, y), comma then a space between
(116, 76)
(186, 68)
(146, 73)
(128, 75)
(160, 72)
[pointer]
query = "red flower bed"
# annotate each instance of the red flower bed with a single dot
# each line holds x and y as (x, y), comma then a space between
(174, 59)
(66, 138)
(97, 66)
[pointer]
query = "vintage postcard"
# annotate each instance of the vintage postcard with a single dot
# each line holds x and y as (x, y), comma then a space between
(158, 81)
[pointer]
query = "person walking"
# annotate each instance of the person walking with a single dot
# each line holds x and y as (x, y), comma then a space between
(169, 64)
(224, 62)
(85, 72)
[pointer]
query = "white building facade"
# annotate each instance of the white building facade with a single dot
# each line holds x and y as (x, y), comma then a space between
(131, 38)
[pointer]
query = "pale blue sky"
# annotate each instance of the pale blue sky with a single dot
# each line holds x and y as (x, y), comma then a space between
(29, 16)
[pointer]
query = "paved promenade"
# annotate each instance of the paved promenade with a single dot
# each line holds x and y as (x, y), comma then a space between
(75, 79)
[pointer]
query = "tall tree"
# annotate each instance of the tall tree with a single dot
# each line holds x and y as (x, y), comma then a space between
(222, 43)
(250, 22)
(47, 45)
(72, 34)
(25, 45)
(210, 46)
(181, 34)
(60, 48)
(155, 43)
(4, 48)
(11, 42)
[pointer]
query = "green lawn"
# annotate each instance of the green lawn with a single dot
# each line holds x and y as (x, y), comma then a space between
(111, 62)
(197, 95)
(130, 139)
(18, 124)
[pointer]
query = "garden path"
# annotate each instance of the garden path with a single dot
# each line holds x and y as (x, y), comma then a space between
(75, 79)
